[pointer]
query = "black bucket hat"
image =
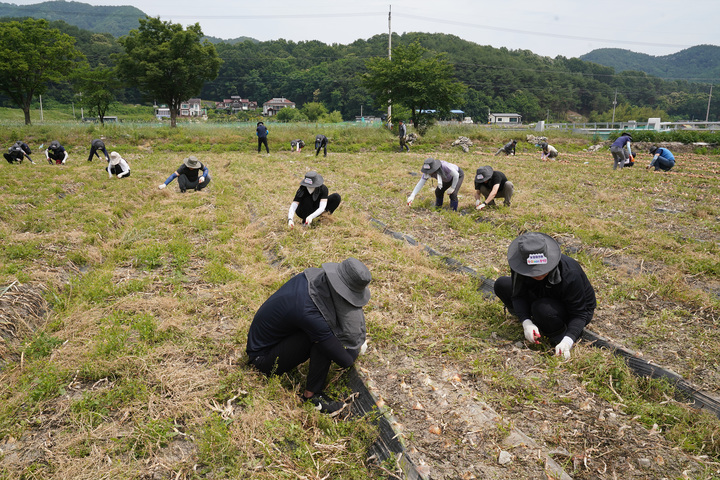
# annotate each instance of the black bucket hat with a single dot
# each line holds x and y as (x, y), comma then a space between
(312, 179)
(533, 254)
(430, 166)
(350, 280)
(653, 149)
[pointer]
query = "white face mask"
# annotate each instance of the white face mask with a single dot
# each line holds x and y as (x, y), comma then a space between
(310, 189)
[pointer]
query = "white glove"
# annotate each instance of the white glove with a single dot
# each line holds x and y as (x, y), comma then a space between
(480, 206)
(201, 179)
(450, 191)
(532, 333)
(410, 200)
(563, 348)
(291, 224)
(308, 221)
(363, 348)
(161, 186)
(120, 175)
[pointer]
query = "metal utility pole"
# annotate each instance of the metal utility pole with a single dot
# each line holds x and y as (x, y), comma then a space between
(389, 116)
(614, 103)
(707, 115)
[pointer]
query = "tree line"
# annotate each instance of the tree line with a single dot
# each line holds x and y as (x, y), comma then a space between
(101, 69)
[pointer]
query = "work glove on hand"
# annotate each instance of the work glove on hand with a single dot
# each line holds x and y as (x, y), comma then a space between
(161, 186)
(480, 205)
(532, 333)
(308, 221)
(450, 191)
(563, 348)
(410, 200)
(201, 179)
(363, 348)
(291, 224)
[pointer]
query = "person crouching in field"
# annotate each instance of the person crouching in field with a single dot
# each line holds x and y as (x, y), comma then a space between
(312, 199)
(449, 179)
(317, 316)
(296, 145)
(118, 166)
(491, 184)
(321, 141)
(663, 159)
(17, 152)
(56, 153)
(507, 149)
(620, 150)
(192, 174)
(548, 291)
(96, 146)
(548, 151)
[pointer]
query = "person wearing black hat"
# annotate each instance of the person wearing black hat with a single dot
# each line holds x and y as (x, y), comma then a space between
(18, 152)
(95, 146)
(507, 149)
(491, 184)
(402, 135)
(296, 145)
(449, 179)
(663, 159)
(262, 132)
(620, 150)
(317, 315)
(56, 153)
(548, 151)
(192, 174)
(321, 141)
(547, 290)
(311, 199)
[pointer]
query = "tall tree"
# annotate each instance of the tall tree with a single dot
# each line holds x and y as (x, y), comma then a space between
(96, 88)
(31, 56)
(415, 79)
(167, 63)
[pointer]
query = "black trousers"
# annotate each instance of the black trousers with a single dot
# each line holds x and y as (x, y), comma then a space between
(94, 151)
(549, 314)
(440, 192)
(185, 184)
(333, 203)
(263, 141)
(292, 352)
(318, 146)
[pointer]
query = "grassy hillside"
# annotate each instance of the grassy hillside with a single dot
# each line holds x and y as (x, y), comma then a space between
(124, 310)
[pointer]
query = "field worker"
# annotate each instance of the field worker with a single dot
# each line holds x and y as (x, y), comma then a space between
(620, 150)
(548, 291)
(663, 159)
(548, 151)
(296, 145)
(491, 184)
(321, 141)
(262, 132)
(312, 199)
(402, 135)
(317, 315)
(18, 152)
(192, 174)
(118, 166)
(449, 179)
(96, 146)
(56, 153)
(507, 149)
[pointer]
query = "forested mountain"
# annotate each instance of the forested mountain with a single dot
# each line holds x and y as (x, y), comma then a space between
(117, 21)
(698, 64)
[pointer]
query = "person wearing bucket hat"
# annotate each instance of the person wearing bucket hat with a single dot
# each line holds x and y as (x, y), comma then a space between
(262, 132)
(296, 145)
(118, 166)
(620, 150)
(56, 153)
(507, 149)
(547, 290)
(491, 184)
(318, 316)
(192, 174)
(548, 151)
(449, 179)
(312, 199)
(96, 146)
(663, 159)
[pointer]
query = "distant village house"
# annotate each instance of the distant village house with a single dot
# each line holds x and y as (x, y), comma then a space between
(271, 107)
(505, 118)
(235, 104)
(188, 109)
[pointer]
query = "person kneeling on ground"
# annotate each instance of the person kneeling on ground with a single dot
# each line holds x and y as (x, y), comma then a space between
(296, 145)
(547, 290)
(491, 184)
(508, 148)
(548, 151)
(192, 174)
(663, 159)
(312, 199)
(118, 166)
(56, 153)
(18, 152)
(317, 316)
(449, 179)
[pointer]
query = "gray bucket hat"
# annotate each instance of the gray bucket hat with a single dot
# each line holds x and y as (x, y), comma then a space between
(533, 254)
(430, 166)
(312, 179)
(483, 174)
(192, 162)
(350, 280)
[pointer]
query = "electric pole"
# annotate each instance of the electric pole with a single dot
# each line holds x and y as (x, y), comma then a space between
(707, 115)
(614, 103)
(389, 116)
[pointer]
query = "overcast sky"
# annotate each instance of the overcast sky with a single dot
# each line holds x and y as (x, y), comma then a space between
(551, 27)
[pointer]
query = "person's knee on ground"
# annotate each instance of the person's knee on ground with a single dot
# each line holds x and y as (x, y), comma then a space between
(549, 315)
(333, 203)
